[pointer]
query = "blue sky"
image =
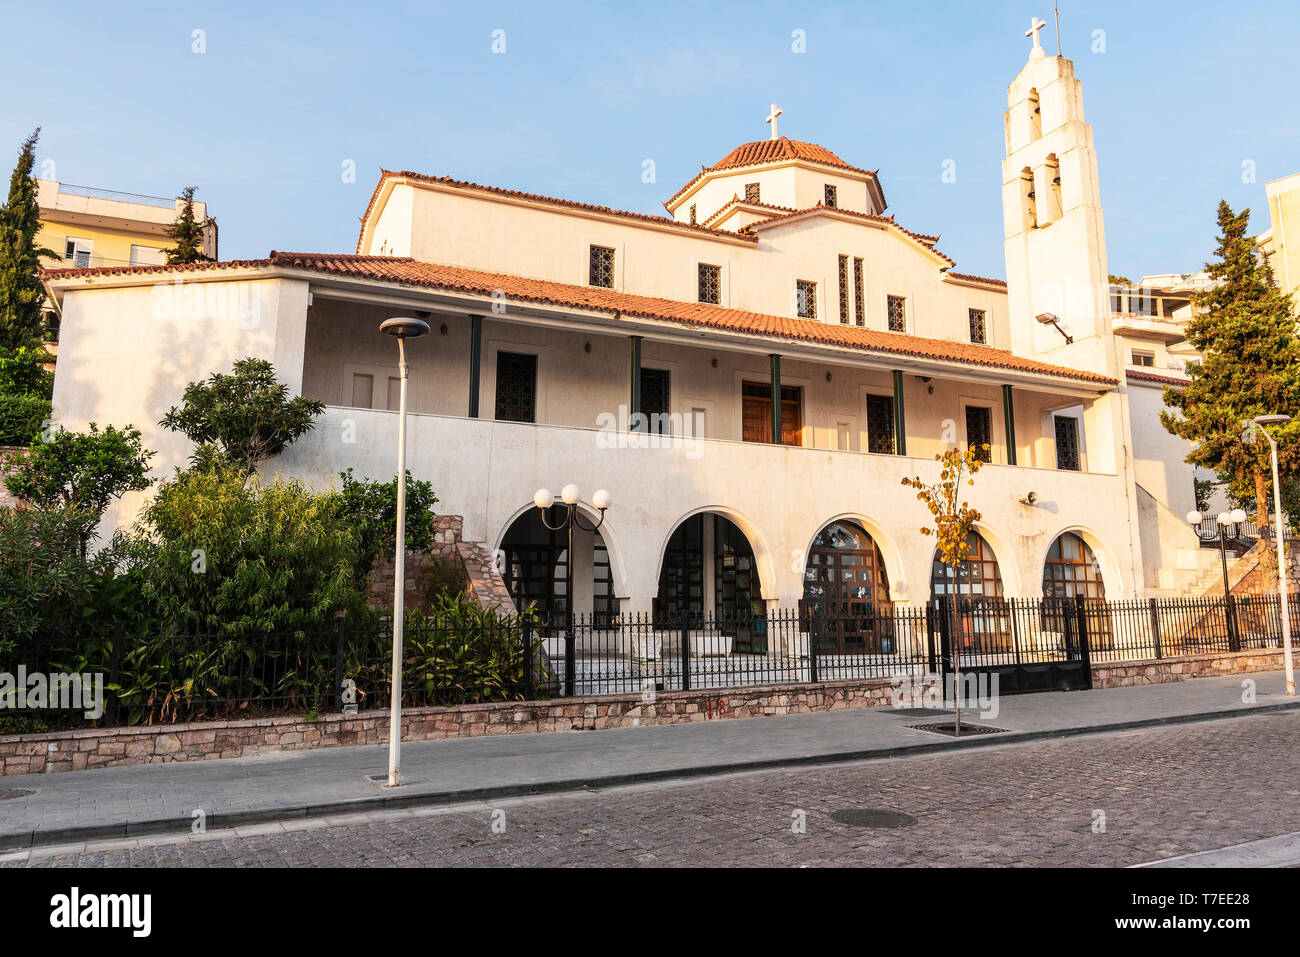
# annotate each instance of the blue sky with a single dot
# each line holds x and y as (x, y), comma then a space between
(1183, 95)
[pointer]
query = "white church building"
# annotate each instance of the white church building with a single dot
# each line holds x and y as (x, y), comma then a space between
(750, 376)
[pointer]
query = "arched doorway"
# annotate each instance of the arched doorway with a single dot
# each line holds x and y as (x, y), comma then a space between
(709, 571)
(845, 589)
(984, 620)
(536, 562)
(1071, 571)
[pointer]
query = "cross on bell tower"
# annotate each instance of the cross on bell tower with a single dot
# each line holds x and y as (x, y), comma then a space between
(771, 118)
(1034, 27)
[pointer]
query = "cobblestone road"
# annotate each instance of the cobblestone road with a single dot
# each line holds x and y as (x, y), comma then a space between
(1163, 792)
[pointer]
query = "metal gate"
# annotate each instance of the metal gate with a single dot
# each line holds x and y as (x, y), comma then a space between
(1030, 646)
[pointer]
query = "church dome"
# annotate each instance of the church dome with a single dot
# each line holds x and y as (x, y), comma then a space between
(773, 151)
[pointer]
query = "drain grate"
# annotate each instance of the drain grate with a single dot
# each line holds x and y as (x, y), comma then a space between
(872, 817)
(951, 731)
(7, 794)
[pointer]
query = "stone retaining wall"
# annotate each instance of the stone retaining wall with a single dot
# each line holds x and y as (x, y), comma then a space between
(211, 740)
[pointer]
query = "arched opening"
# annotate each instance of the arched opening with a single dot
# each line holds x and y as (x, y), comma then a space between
(1035, 115)
(536, 569)
(1071, 569)
(845, 590)
(708, 571)
(1028, 205)
(1052, 175)
(984, 619)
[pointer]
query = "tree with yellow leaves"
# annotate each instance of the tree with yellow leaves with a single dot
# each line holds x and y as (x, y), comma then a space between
(953, 521)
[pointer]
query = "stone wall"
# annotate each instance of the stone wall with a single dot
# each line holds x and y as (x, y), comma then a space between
(210, 740)
(483, 580)
(1154, 671)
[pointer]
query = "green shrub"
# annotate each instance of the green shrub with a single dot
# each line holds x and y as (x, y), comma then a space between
(371, 508)
(460, 652)
(22, 417)
(46, 586)
(23, 372)
(238, 557)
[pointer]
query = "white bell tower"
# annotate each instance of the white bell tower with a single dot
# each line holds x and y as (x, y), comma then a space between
(1051, 207)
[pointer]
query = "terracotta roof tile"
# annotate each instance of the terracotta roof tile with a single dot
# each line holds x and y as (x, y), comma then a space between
(1152, 377)
(970, 278)
(480, 283)
(772, 151)
(537, 198)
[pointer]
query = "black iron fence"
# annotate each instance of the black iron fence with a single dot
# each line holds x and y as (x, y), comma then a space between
(1033, 643)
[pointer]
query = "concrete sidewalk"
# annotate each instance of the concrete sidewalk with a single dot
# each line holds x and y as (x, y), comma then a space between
(153, 798)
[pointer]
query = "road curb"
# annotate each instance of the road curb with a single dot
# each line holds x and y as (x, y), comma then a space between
(22, 840)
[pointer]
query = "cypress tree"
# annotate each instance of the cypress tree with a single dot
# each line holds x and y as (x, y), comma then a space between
(22, 296)
(1246, 333)
(187, 233)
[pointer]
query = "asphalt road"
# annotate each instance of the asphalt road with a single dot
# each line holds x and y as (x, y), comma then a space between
(1113, 799)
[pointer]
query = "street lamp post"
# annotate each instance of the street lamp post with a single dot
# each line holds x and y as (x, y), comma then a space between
(400, 328)
(572, 498)
(1260, 421)
(1233, 518)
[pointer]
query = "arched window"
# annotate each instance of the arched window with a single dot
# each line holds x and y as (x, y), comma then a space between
(1052, 176)
(1071, 569)
(985, 622)
(1028, 203)
(845, 586)
(1035, 116)
(977, 577)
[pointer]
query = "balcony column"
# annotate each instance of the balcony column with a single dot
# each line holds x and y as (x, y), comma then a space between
(900, 418)
(1009, 420)
(776, 398)
(636, 420)
(475, 360)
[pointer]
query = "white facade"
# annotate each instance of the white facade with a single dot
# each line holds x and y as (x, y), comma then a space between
(514, 273)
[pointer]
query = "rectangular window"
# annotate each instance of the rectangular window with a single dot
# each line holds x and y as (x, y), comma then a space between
(654, 399)
(601, 272)
(880, 424)
(78, 251)
(805, 298)
(859, 300)
(710, 280)
(978, 326)
(1147, 359)
(756, 413)
(147, 256)
(1067, 442)
(844, 289)
(831, 197)
(979, 431)
(751, 193)
(897, 314)
(516, 387)
(692, 214)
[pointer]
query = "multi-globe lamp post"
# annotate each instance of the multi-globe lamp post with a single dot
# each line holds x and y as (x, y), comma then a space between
(400, 328)
(1235, 519)
(571, 517)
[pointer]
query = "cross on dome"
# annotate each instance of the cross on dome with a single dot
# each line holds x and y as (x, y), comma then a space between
(771, 118)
